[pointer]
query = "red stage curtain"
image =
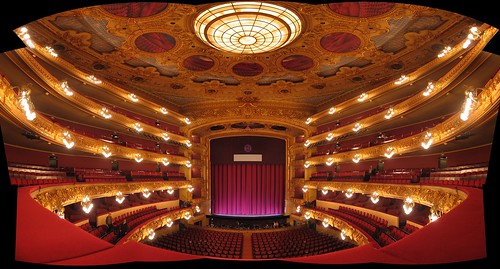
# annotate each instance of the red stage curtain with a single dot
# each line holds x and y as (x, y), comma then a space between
(248, 189)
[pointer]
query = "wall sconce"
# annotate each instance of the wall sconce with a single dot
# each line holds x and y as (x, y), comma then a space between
(389, 152)
(165, 161)
(151, 234)
(169, 222)
(304, 189)
(163, 110)
(408, 205)
(427, 141)
(138, 157)
(187, 121)
(401, 80)
(68, 140)
(375, 197)
(190, 188)
(428, 89)
(325, 222)
(67, 90)
(362, 97)
(197, 209)
(473, 35)
(389, 113)
(332, 110)
(93, 79)
(188, 143)
(445, 51)
(307, 143)
(329, 137)
(298, 209)
(120, 197)
(309, 120)
(165, 136)
(356, 158)
(105, 113)
(137, 127)
(133, 97)
(325, 191)
(146, 193)
(470, 100)
(307, 164)
(106, 152)
(187, 215)
(307, 215)
(188, 164)
(87, 204)
(349, 193)
(26, 105)
(357, 127)
(170, 190)
(329, 161)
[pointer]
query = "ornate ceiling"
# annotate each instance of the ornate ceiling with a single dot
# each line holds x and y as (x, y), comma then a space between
(153, 50)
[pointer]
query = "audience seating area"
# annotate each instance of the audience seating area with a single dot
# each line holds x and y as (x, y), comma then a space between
(294, 243)
(25, 175)
(202, 242)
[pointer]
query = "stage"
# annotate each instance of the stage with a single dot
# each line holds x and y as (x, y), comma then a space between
(248, 222)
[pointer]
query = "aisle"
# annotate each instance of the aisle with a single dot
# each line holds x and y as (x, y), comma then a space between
(246, 252)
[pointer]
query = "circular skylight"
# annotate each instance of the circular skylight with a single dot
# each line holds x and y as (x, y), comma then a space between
(247, 27)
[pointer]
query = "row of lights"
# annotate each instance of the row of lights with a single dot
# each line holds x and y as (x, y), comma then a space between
(473, 35)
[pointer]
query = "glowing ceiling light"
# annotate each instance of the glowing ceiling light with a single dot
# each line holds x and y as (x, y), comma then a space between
(427, 141)
(165, 161)
(106, 152)
(138, 157)
(408, 205)
(163, 110)
(329, 137)
(133, 97)
(375, 197)
(26, 38)
(362, 97)
(329, 161)
(473, 35)
(247, 27)
(68, 140)
(67, 90)
(356, 158)
(401, 80)
(87, 204)
(332, 110)
(389, 152)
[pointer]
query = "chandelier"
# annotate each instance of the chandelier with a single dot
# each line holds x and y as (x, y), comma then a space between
(26, 104)
(106, 152)
(190, 188)
(247, 27)
(120, 197)
(169, 222)
(325, 191)
(146, 193)
(408, 205)
(375, 197)
(151, 234)
(170, 190)
(68, 140)
(325, 222)
(349, 193)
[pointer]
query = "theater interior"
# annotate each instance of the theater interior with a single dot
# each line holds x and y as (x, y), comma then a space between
(249, 134)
